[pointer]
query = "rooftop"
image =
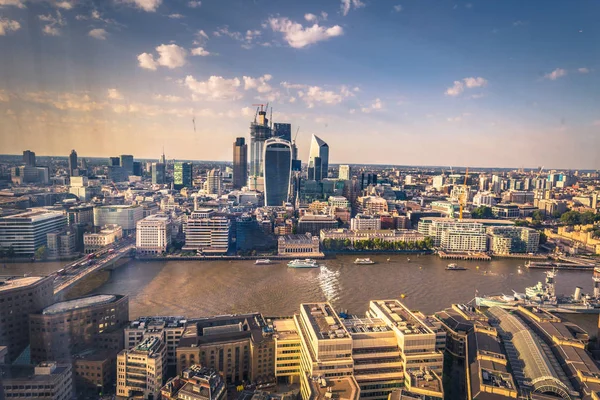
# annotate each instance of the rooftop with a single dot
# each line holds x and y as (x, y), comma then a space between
(470, 220)
(76, 304)
(365, 325)
(401, 318)
(298, 239)
(148, 345)
(33, 215)
(344, 388)
(143, 323)
(14, 282)
(285, 328)
(324, 321)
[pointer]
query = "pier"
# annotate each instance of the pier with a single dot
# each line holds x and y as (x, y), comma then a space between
(463, 256)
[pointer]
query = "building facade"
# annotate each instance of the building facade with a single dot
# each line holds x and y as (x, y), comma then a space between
(299, 245)
(158, 174)
(126, 216)
(363, 222)
(207, 232)
(514, 239)
(277, 171)
(45, 381)
(345, 173)
(318, 161)
(314, 223)
(195, 383)
(153, 234)
(214, 182)
(141, 370)
(27, 231)
(260, 131)
(182, 175)
(108, 234)
(240, 163)
(61, 244)
(72, 163)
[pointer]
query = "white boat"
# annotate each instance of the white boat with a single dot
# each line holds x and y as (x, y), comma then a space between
(364, 261)
(454, 267)
(262, 261)
(307, 263)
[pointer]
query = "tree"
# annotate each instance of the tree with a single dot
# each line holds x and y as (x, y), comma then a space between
(543, 238)
(587, 218)
(482, 212)
(41, 253)
(571, 218)
(537, 217)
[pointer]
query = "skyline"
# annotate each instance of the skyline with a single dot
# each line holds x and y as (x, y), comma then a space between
(500, 85)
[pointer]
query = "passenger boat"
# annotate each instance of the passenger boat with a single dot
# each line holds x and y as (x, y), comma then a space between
(364, 261)
(307, 263)
(454, 267)
(262, 261)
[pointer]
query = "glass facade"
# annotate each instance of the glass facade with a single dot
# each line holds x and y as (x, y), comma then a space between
(278, 165)
(182, 175)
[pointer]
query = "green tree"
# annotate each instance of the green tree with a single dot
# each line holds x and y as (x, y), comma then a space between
(41, 253)
(537, 217)
(571, 218)
(543, 238)
(587, 218)
(482, 212)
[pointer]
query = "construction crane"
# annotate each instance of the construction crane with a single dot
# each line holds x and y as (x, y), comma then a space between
(463, 196)
(257, 110)
(115, 187)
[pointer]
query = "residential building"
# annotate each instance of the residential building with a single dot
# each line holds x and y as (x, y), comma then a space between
(240, 163)
(363, 222)
(434, 227)
(438, 182)
(277, 171)
(126, 162)
(214, 182)
(195, 383)
(167, 329)
(318, 161)
(107, 235)
(314, 223)
(67, 327)
(513, 239)
(27, 231)
(83, 214)
(158, 174)
(207, 232)
(153, 234)
(299, 245)
(73, 163)
(551, 206)
(45, 381)
(447, 208)
(126, 216)
(484, 199)
(61, 244)
(20, 297)
(141, 370)
(388, 235)
(345, 173)
(338, 202)
(182, 175)
(372, 204)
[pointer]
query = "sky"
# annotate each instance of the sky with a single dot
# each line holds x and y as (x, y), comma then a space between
(485, 83)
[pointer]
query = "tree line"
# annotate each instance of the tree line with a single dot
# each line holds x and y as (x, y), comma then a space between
(376, 244)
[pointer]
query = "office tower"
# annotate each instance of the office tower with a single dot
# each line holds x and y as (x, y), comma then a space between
(72, 163)
(26, 232)
(142, 369)
(153, 234)
(19, 297)
(114, 162)
(207, 232)
(29, 158)
(345, 173)
(127, 163)
(214, 182)
(46, 381)
(163, 158)
(240, 163)
(277, 173)
(282, 131)
(126, 216)
(158, 173)
(84, 164)
(182, 175)
(137, 168)
(80, 322)
(318, 162)
(259, 133)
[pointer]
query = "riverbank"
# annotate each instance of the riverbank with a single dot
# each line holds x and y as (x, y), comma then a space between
(319, 256)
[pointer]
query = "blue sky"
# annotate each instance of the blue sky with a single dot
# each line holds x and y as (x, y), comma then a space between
(423, 82)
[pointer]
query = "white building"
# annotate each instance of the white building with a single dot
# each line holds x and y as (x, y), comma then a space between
(345, 173)
(513, 239)
(364, 222)
(214, 182)
(438, 182)
(107, 235)
(125, 216)
(141, 370)
(27, 231)
(484, 199)
(338, 202)
(153, 234)
(464, 239)
(207, 232)
(435, 227)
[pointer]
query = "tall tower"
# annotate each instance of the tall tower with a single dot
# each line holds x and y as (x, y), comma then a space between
(72, 162)
(182, 175)
(240, 163)
(214, 182)
(277, 171)
(158, 173)
(318, 161)
(29, 158)
(283, 131)
(345, 173)
(260, 131)
(127, 163)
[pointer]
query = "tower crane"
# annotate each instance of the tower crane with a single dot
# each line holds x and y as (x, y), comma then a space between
(463, 196)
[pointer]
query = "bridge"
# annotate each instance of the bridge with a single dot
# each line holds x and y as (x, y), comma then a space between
(79, 269)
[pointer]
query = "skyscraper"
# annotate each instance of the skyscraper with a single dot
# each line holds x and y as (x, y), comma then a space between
(240, 163)
(318, 161)
(29, 158)
(283, 131)
(182, 175)
(259, 132)
(72, 162)
(214, 182)
(345, 173)
(127, 163)
(158, 173)
(277, 171)
(114, 162)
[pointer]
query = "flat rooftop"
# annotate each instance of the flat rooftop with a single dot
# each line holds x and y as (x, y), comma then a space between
(285, 329)
(297, 239)
(365, 325)
(425, 381)
(334, 388)
(32, 215)
(495, 222)
(400, 317)
(77, 304)
(324, 321)
(144, 323)
(14, 282)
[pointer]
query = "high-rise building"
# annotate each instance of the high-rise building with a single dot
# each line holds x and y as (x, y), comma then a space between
(137, 168)
(126, 216)
(29, 158)
(345, 173)
(72, 163)
(240, 163)
(277, 173)
(214, 182)
(20, 297)
(26, 232)
(318, 161)
(207, 232)
(141, 370)
(260, 131)
(153, 234)
(167, 329)
(158, 173)
(127, 163)
(114, 162)
(182, 175)
(283, 131)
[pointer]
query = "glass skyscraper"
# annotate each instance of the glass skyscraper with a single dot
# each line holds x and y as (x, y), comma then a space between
(240, 163)
(127, 163)
(72, 162)
(259, 133)
(318, 161)
(182, 175)
(283, 131)
(277, 171)
(158, 173)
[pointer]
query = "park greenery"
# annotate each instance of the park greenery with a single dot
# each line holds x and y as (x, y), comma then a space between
(482, 212)
(376, 244)
(572, 218)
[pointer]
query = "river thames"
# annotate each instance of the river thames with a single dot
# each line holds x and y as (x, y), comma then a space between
(203, 288)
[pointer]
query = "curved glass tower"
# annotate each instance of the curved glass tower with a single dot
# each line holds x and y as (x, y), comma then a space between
(277, 171)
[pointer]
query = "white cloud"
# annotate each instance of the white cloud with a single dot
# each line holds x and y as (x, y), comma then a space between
(397, 8)
(583, 70)
(203, 34)
(8, 25)
(66, 5)
(51, 30)
(260, 83)
(292, 99)
(98, 34)
(169, 55)
(248, 112)
(324, 15)
(167, 98)
(79, 101)
(298, 36)
(53, 23)
(467, 83)
(146, 5)
(194, 3)
(114, 94)
(557, 73)
(199, 51)
(316, 94)
(175, 16)
(3, 96)
(376, 105)
(347, 5)
(310, 17)
(216, 87)
(15, 3)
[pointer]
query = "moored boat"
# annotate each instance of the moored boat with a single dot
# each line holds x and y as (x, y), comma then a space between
(454, 267)
(262, 261)
(307, 263)
(365, 261)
